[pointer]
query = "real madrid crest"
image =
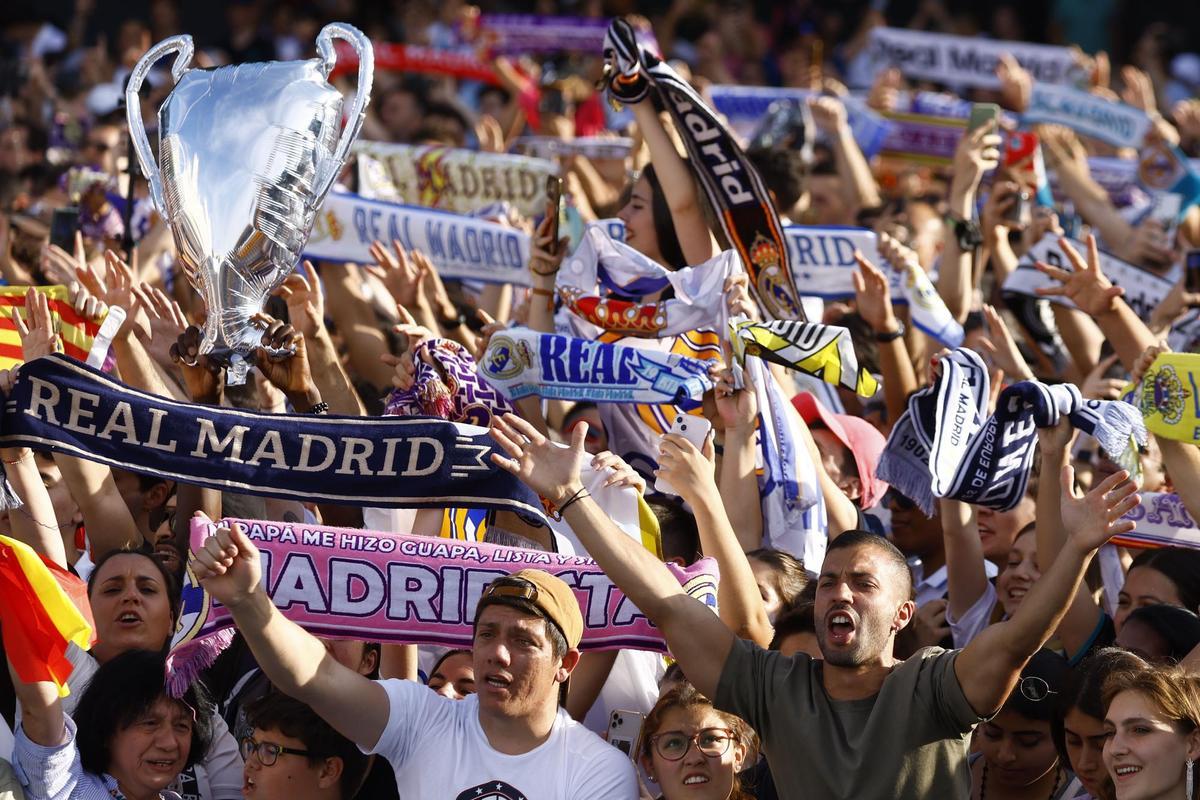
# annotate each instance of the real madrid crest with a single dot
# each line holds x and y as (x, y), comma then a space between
(506, 358)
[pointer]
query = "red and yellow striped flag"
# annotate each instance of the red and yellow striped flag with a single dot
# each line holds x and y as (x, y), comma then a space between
(43, 608)
(77, 333)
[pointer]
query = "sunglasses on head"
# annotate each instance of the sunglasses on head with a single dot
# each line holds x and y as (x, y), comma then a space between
(1035, 689)
(509, 586)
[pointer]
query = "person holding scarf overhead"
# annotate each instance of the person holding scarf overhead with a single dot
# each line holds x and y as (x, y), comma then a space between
(664, 220)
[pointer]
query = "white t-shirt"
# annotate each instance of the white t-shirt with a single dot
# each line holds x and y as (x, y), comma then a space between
(438, 749)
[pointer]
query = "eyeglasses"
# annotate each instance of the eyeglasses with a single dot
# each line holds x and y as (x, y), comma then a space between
(1035, 689)
(267, 752)
(509, 586)
(674, 745)
(894, 498)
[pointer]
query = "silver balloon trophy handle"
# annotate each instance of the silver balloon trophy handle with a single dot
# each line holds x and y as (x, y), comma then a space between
(366, 76)
(182, 45)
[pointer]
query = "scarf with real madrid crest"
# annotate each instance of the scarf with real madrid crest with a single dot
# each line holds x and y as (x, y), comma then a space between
(733, 186)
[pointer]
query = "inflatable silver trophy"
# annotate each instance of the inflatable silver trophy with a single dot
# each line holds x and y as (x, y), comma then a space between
(247, 154)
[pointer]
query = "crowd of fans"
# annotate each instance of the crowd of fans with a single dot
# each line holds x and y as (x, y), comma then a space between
(968, 653)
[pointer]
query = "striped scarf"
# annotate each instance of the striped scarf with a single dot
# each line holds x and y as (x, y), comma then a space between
(734, 188)
(945, 445)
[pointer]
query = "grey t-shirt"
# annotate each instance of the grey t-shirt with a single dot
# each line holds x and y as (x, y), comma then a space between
(908, 741)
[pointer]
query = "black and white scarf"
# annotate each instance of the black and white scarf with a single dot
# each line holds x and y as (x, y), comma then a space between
(944, 445)
(734, 188)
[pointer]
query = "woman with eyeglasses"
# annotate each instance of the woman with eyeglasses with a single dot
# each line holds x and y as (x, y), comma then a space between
(1016, 758)
(127, 738)
(691, 750)
(1152, 724)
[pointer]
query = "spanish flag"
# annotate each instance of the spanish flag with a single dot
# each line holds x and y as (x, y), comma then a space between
(43, 608)
(77, 333)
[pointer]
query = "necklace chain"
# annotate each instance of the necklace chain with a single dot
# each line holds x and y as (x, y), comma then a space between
(983, 782)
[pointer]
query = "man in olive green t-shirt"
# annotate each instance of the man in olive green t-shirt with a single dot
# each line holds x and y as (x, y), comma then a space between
(858, 724)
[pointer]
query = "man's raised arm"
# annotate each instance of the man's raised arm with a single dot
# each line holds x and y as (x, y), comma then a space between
(229, 567)
(989, 666)
(697, 637)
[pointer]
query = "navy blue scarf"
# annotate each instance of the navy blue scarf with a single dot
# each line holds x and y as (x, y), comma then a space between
(61, 404)
(944, 445)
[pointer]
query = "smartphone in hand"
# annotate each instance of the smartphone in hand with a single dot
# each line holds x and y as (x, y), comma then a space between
(625, 732)
(695, 430)
(1191, 275)
(63, 225)
(982, 114)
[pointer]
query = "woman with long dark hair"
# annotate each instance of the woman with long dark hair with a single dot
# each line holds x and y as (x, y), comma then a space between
(1078, 721)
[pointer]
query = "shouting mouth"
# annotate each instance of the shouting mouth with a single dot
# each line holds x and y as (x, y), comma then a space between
(841, 627)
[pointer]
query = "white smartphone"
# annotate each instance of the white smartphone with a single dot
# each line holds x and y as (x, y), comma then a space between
(695, 430)
(625, 732)
(1166, 210)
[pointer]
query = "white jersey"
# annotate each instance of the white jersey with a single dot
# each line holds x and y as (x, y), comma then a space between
(438, 750)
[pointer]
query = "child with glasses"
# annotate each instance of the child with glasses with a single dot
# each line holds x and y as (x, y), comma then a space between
(692, 750)
(293, 754)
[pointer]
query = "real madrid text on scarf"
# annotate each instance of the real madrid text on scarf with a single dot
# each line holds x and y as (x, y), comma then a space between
(406, 462)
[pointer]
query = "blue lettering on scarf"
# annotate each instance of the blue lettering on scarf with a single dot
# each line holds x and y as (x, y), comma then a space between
(512, 250)
(552, 351)
(433, 234)
(489, 249)
(577, 371)
(471, 240)
(456, 252)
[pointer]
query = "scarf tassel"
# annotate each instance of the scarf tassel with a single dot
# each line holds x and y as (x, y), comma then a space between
(9, 499)
(1117, 422)
(185, 664)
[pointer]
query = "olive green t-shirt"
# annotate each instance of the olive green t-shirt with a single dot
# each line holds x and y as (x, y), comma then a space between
(908, 741)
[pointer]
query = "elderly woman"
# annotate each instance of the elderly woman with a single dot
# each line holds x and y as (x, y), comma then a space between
(126, 739)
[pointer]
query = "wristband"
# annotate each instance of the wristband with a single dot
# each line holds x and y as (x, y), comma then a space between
(320, 408)
(891, 336)
(453, 323)
(582, 493)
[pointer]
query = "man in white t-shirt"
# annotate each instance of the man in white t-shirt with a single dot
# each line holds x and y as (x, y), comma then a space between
(509, 741)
